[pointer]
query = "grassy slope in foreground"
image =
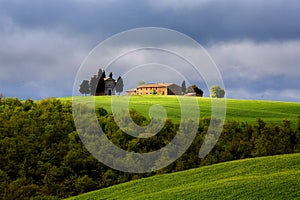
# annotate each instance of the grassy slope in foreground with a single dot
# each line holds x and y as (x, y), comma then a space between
(239, 110)
(274, 177)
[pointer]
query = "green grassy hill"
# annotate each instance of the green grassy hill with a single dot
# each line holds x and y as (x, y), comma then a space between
(239, 110)
(274, 177)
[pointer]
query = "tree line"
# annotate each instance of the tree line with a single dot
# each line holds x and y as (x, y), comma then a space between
(96, 85)
(43, 157)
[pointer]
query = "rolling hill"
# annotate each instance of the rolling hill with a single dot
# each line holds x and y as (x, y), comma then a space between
(273, 177)
(238, 110)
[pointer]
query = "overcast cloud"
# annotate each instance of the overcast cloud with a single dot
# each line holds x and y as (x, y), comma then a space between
(255, 44)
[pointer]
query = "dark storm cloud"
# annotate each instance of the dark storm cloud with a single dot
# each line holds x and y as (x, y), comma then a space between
(89, 18)
(207, 21)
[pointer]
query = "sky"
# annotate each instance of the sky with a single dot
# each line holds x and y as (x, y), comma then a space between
(255, 44)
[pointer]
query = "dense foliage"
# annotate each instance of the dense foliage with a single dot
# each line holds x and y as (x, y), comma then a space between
(85, 87)
(216, 92)
(196, 90)
(41, 155)
(119, 85)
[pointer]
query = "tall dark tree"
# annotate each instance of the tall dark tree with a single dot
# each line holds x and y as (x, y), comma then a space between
(100, 72)
(84, 87)
(95, 81)
(110, 75)
(183, 87)
(101, 84)
(120, 85)
(93, 84)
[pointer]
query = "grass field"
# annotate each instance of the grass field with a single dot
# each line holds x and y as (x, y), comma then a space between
(239, 110)
(274, 177)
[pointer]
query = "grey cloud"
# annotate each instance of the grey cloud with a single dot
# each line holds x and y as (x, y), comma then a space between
(259, 70)
(206, 21)
(252, 60)
(39, 64)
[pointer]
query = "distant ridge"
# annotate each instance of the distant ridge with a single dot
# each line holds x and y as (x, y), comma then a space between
(237, 109)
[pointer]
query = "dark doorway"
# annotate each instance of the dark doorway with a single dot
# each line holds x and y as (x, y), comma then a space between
(109, 92)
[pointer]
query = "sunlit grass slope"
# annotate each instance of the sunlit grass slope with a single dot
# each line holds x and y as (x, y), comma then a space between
(239, 110)
(274, 177)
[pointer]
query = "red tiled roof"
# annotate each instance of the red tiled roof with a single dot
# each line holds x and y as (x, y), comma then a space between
(154, 85)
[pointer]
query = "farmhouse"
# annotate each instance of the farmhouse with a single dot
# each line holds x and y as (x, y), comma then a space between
(158, 88)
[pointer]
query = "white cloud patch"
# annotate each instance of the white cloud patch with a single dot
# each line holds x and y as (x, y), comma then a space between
(292, 94)
(252, 61)
(269, 70)
(265, 94)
